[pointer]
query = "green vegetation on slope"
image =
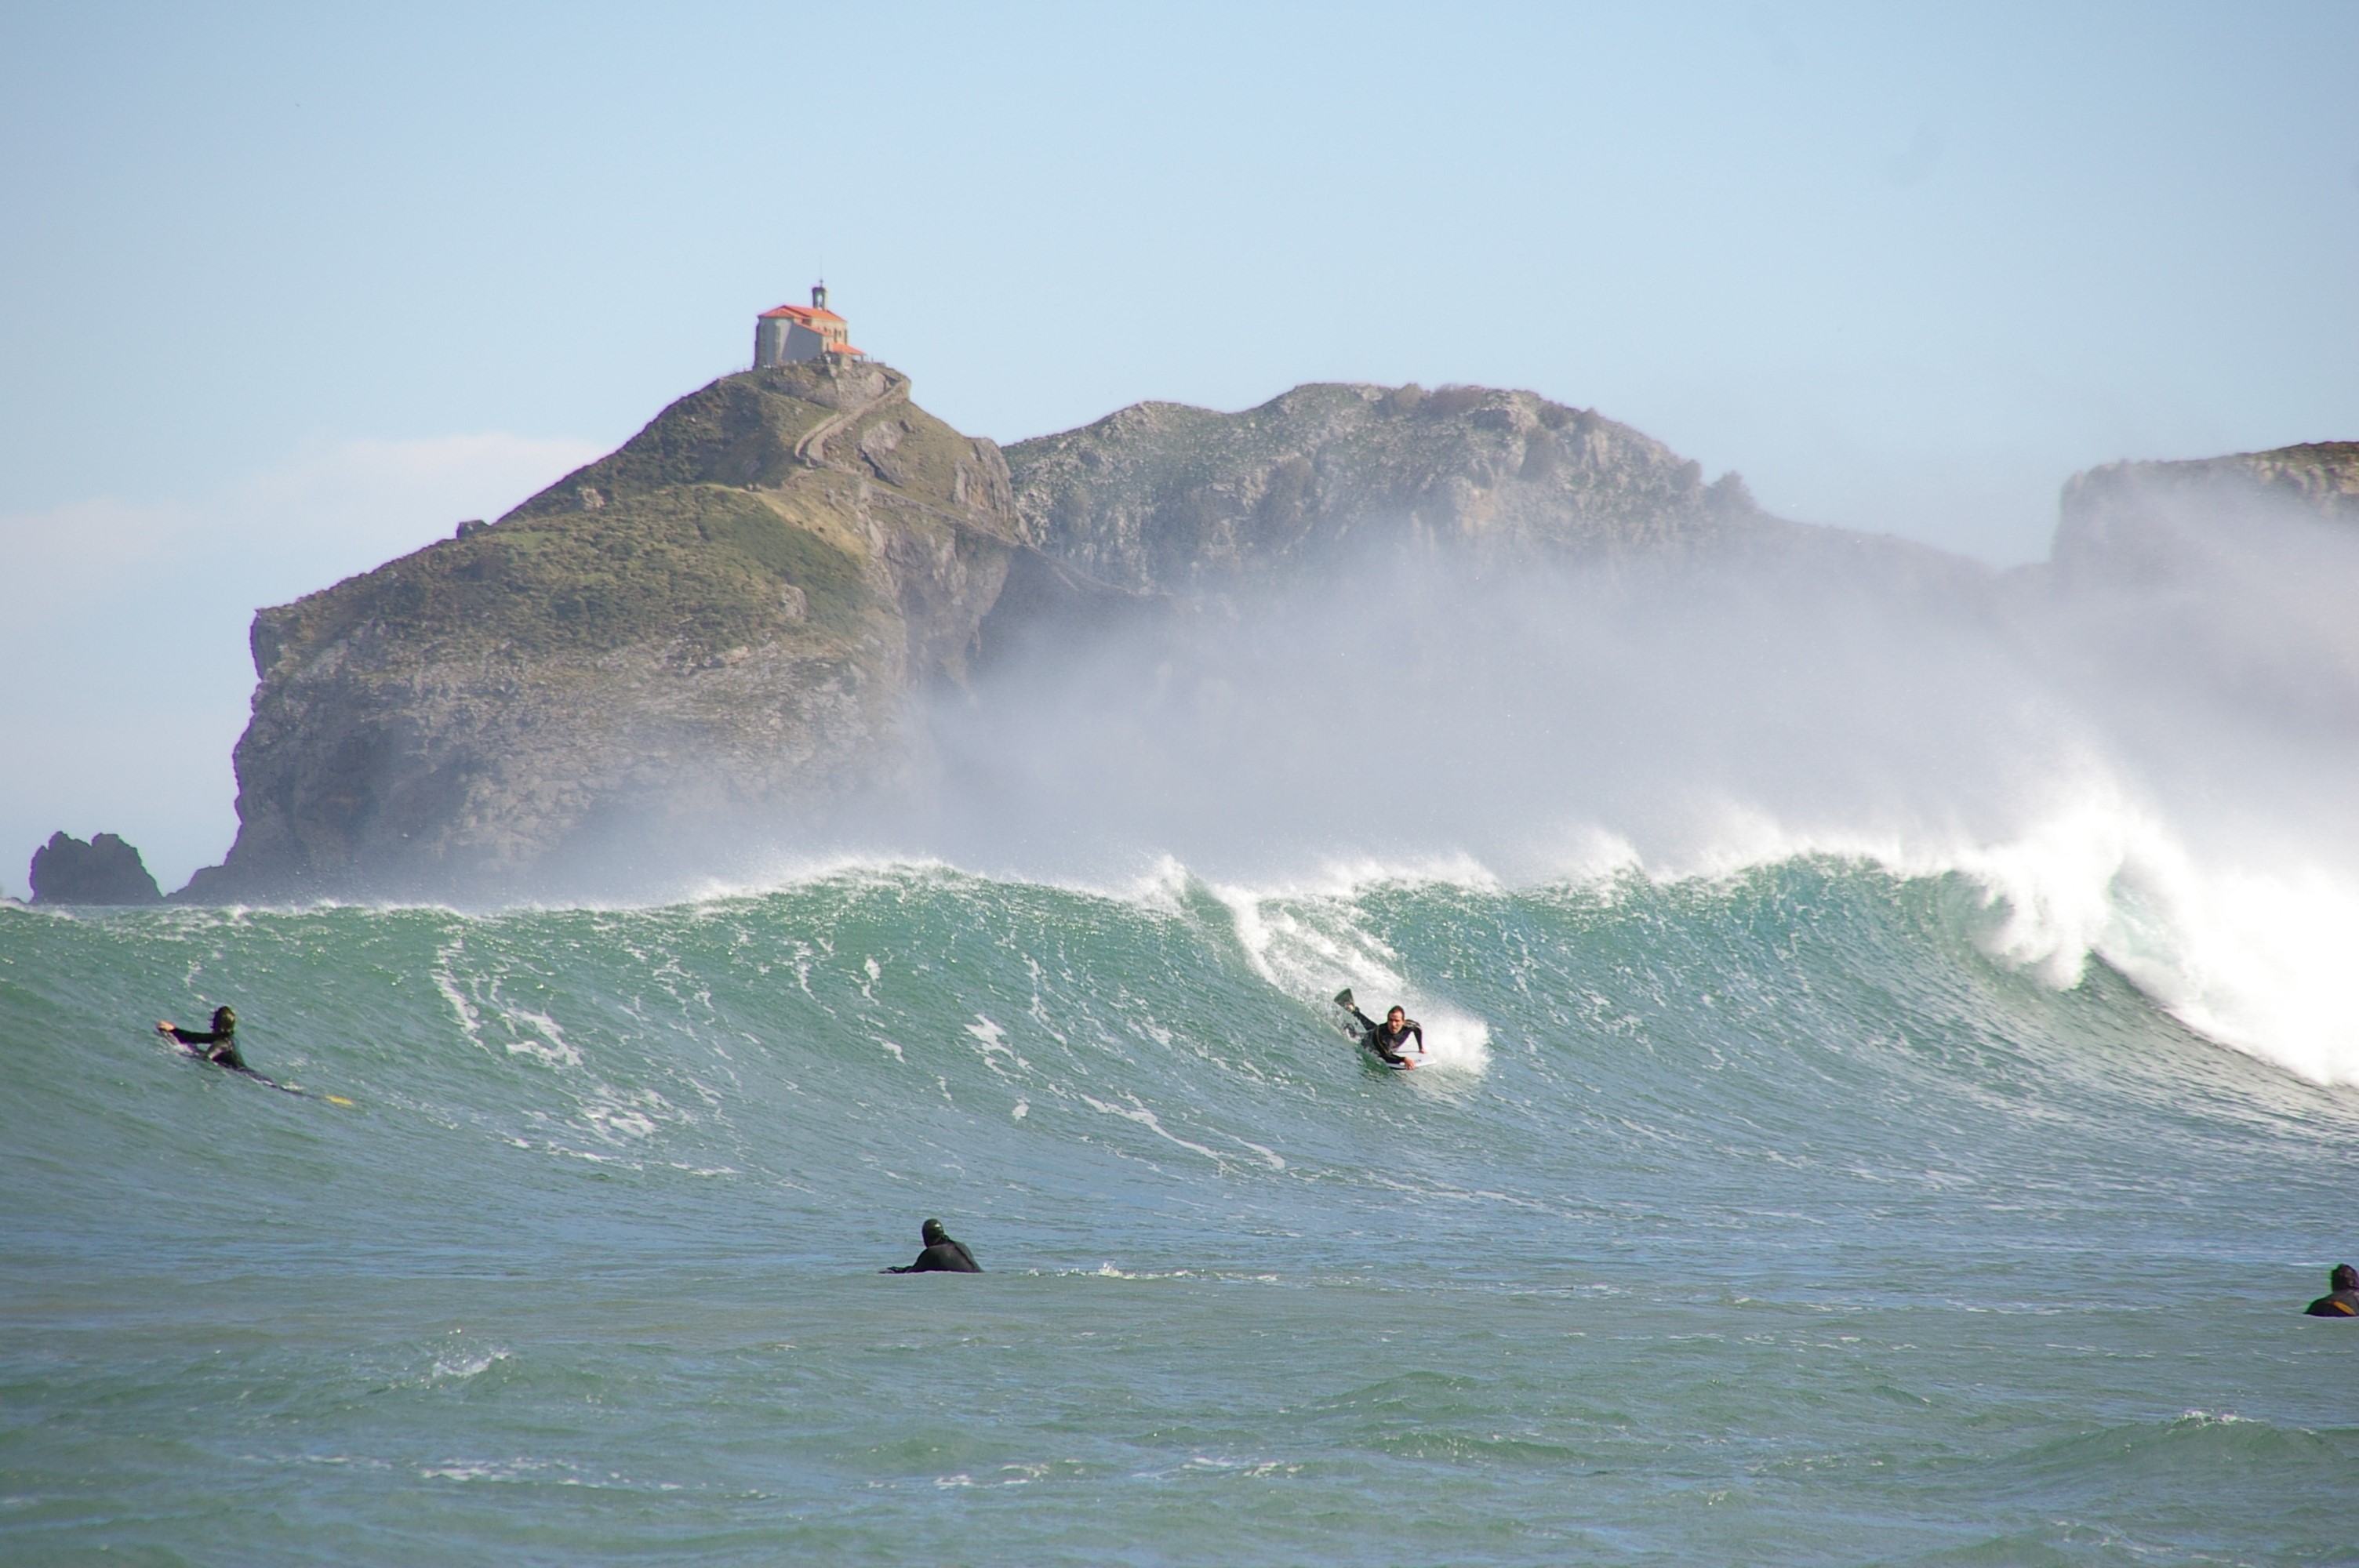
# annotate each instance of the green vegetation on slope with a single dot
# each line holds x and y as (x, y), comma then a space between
(706, 532)
(702, 566)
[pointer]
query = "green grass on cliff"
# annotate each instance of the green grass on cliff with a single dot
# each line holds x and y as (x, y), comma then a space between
(682, 538)
(701, 567)
(740, 429)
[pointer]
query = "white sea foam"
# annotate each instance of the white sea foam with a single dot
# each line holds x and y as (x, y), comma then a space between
(1309, 947)
(461, 1366)
(2097, 757)
(2243, 938)
(2246, 946)
(2154, 774)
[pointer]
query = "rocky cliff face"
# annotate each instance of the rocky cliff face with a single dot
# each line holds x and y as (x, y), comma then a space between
(727, 610)
(1161, 497)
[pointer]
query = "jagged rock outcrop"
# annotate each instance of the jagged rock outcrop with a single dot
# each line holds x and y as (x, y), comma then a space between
(1163, 497)
(2132, 523)
(104, 870)
(727, 610)
(1160, 502)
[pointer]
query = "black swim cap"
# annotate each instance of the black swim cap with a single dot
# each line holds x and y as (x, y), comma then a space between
(931, 1232)
(225, 1018)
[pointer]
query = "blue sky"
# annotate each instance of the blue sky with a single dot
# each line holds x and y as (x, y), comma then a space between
(292, 289)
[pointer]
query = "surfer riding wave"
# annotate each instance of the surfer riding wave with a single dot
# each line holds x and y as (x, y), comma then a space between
(1385, 1039)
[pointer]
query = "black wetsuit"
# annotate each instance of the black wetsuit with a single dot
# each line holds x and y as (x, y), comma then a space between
(2335, 1304)
(944, 1257)
(1380, 1038)
(222, 1046)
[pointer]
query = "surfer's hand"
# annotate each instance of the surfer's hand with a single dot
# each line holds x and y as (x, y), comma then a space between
(163, 1029)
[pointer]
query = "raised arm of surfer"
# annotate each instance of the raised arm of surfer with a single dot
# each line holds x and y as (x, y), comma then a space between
(219, 1042)
(1385, 1039)
(942, 1256)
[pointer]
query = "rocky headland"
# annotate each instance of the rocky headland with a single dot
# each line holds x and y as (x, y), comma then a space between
(727, 610)
(735, 609)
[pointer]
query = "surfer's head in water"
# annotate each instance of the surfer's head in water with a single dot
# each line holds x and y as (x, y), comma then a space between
(931, 1231)
(2342, 1298)
(226, 1020)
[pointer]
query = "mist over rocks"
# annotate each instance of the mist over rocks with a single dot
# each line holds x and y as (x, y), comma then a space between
(733, 612)
(1162, 508)
(1161, 497)
(105, 870)
(2227, 578)
(2151, 522)
(787, 606)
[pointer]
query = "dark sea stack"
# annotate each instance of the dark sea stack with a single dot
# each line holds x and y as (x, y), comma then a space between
(105, 870)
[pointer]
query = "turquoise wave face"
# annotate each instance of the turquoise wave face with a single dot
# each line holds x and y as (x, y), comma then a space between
(1768, 1219)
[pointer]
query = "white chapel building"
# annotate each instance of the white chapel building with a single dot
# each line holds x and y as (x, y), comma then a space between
(793, 332)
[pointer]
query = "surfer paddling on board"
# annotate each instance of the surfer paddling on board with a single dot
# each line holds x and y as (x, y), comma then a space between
(942, 1256)
(1385, 1039)
(219, 1044)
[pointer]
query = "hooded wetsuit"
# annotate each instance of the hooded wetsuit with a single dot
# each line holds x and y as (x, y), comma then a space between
(942, 1256)
(1380, 1038)
(222, 1043)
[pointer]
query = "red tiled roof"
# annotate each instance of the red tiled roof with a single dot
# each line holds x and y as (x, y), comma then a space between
(803, 313)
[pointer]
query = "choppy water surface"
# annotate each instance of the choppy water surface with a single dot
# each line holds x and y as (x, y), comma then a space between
(1766, 1220)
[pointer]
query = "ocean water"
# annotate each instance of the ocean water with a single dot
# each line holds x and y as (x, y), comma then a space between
(1823, 1208)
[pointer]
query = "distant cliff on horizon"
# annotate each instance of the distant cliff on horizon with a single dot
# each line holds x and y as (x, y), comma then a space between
(2140, 521)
